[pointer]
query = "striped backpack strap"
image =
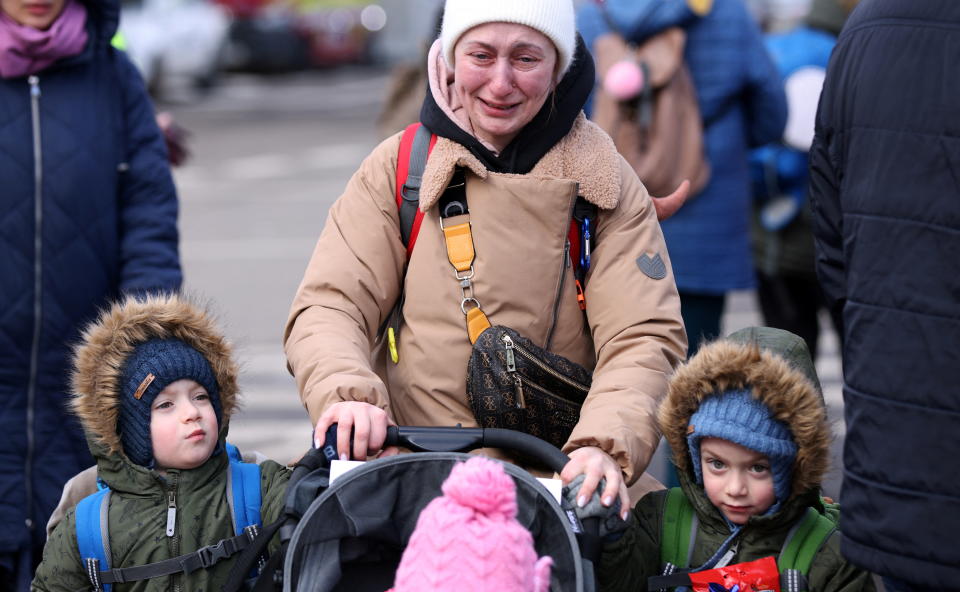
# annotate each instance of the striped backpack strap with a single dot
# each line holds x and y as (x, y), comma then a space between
(803, 542)
(93, 536)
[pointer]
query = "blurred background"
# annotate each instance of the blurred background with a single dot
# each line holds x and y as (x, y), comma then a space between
(280, 101)
(183, 47)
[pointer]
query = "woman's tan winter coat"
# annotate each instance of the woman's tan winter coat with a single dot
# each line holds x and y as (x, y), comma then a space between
(631, 334)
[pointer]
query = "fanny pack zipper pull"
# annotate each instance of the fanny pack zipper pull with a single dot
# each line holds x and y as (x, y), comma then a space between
(512, 369)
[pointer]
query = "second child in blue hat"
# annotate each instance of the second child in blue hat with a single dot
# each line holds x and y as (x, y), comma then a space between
(746, 421)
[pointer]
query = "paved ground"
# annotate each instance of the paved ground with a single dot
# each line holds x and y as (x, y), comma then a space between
(270, 156)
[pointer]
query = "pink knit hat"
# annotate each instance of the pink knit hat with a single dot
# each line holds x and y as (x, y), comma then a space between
(469, 540)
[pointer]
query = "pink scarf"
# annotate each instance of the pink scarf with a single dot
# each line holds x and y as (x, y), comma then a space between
(25, 50)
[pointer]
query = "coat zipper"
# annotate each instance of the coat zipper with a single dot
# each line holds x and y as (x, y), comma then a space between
(174, 539)
(171, 513)
(564, 264)
(34, 83)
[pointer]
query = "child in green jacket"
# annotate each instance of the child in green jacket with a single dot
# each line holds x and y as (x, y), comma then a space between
(746, 421)
(154, 386)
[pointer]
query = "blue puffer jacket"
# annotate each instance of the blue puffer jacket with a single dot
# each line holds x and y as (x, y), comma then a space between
(885, 192)
(742, 102)
(93, 217)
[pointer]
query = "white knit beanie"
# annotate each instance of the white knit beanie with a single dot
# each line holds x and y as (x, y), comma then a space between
(553, 18)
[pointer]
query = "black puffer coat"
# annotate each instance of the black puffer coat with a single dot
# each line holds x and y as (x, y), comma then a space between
(885, 190)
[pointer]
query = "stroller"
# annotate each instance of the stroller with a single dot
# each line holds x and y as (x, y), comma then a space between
(349, 536)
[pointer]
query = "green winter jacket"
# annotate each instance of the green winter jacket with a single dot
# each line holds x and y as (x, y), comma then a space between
(775, 365)
(140, 497)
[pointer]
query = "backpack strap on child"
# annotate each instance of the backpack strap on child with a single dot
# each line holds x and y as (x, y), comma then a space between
(243, 491)
(679, 531)
(93, 532)
(804, 541)
(93, 540)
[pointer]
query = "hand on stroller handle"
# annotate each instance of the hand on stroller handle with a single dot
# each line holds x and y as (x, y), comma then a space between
(457, 439)
(365, 429)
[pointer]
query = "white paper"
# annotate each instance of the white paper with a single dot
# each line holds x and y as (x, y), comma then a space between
(339, 467)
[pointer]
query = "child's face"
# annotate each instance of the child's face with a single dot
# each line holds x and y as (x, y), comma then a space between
(737, 480)
(183, 426)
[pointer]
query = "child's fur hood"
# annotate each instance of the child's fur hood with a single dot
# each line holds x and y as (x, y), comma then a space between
(107, 342)
(783, 387)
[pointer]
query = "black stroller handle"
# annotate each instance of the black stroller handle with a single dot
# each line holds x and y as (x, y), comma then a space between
(445, 439)
(457, 439)
(423, 439)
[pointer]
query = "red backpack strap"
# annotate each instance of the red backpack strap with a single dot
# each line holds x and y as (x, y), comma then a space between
(415, 146)
(580, 237)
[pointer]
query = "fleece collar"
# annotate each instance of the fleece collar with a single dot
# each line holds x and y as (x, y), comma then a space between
(586, 155)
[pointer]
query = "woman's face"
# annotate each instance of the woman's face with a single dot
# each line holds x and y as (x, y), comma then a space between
(503, 73)
(38, 14)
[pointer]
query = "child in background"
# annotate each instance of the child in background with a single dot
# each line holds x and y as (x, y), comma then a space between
(745, 418)
(154, 386)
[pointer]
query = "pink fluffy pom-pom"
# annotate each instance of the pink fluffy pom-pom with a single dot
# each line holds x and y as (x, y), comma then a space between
(624, 80)
(483, 485)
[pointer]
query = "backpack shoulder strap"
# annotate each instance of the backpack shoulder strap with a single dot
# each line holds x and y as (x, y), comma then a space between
(803, 542)
(415, 146)
(243, 491)
(678, 531)
(93, 536)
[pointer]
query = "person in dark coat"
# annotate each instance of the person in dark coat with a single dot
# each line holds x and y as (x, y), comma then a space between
(741, 99)
(885, 193)
(88, 212)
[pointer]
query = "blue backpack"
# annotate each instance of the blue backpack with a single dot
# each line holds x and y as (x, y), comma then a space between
(93, 535)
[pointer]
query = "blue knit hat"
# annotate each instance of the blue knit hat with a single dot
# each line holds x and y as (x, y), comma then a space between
(736, 416)
(149, 368)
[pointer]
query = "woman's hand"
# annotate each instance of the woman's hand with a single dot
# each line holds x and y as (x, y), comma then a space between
(596, 464)
(369, 424)
(668, 205)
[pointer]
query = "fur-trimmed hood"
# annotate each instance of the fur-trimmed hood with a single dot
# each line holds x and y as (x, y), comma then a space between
(107, 342)
(776, 366)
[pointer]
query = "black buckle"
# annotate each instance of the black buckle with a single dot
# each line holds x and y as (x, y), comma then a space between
(211, 554)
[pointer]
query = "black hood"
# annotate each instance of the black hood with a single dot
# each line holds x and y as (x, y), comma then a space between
(549, 126)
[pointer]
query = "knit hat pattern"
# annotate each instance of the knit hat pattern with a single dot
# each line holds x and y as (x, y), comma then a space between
(469, 540)
(738, 417)
(167, 361)
(553, 18)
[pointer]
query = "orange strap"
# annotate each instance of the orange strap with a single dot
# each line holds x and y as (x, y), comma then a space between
(460, 252)
(459, 246)
(477, 323)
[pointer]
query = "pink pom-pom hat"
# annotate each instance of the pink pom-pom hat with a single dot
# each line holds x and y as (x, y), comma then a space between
(469, 540)
(624, 80)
